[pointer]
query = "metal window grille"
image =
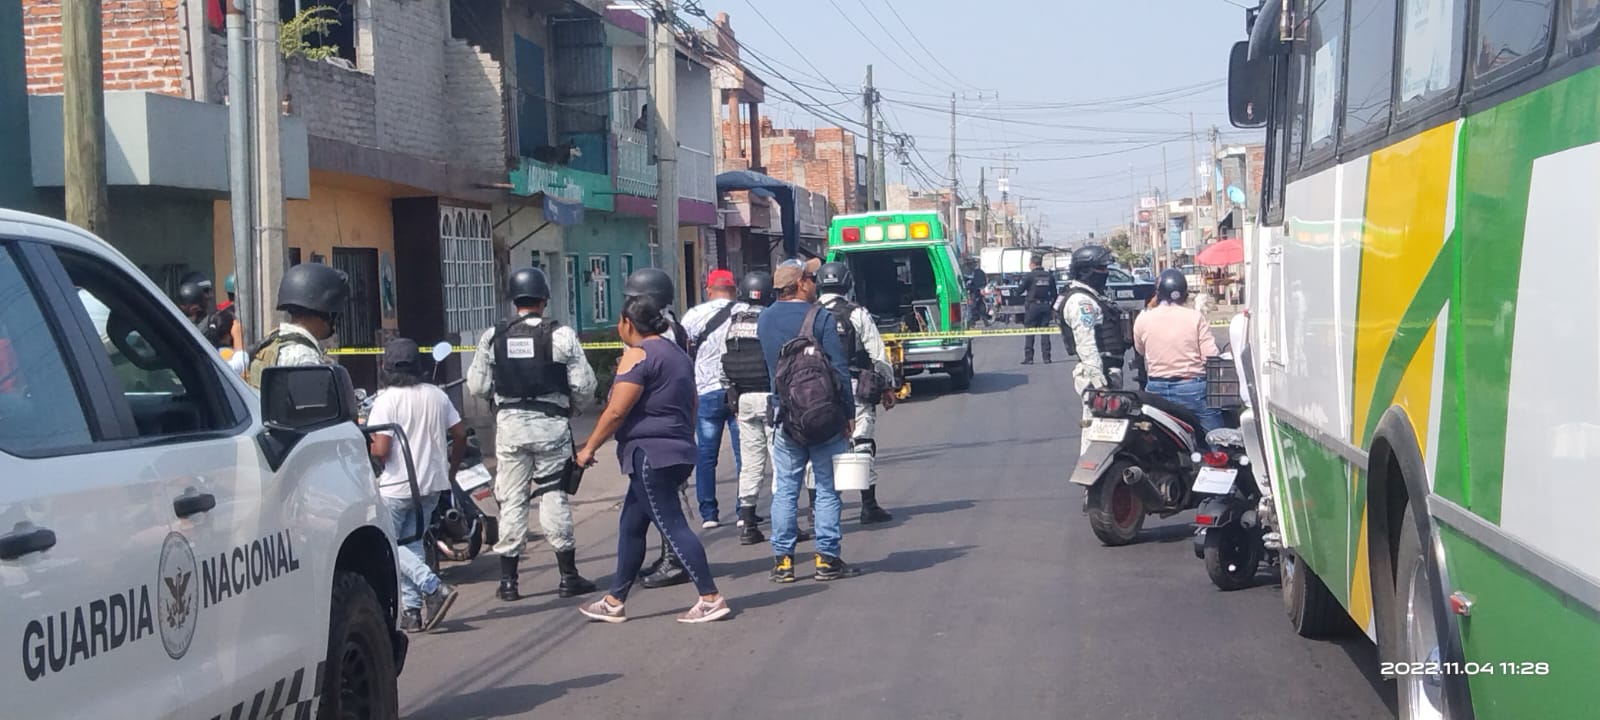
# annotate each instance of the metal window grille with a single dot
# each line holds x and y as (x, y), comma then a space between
(600, 286)
(570, 278)
(467, 253)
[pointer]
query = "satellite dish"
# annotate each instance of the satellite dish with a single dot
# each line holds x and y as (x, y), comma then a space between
(1235, 194)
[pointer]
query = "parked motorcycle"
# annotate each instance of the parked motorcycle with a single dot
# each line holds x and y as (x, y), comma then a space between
(1228, 528)
(1141, 460)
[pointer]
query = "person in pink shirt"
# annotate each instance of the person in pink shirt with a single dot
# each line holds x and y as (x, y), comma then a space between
(1175, 341)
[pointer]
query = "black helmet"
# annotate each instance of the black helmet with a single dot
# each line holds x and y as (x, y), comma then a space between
(835, 276)
(527, 285)
(1089, 265)
(653, 283)
(315, 287)
(1172, 286)
(192, 289)
(756, 287)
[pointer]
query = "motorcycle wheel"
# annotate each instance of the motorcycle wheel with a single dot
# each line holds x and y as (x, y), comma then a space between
(1116, 514)
(1232, 557)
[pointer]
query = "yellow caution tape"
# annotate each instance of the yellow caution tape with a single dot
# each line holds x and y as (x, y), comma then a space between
(888, 337)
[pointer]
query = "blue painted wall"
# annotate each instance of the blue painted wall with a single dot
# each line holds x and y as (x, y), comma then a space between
(616, 241)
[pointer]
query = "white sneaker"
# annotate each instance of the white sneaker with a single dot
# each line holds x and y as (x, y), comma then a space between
(603, 611)
(704, 612)
(707, 525)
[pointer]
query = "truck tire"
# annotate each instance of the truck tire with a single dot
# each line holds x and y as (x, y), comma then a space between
(961, 375)
(1313, 610)
(359, 675)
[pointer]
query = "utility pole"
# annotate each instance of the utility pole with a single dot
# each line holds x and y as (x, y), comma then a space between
(83, 110)
(664, 109)
(883, 168)
(983, 209)
(1194, 183)
(1166, 206)
(272, 248)
(955, 214)
(240, 198)
(1211, 170)
(1005, 196)
(868, 99)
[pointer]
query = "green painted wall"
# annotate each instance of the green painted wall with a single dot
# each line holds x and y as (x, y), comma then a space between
(165, 232)
(16, 163)
(611, 237)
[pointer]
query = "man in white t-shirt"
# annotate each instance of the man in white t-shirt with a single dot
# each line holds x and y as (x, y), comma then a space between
(426, 414)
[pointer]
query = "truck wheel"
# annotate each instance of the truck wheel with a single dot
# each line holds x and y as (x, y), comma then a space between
(359, 675)
(1232, 557)
(1313, 610)
(1422, 696)
(962, 374)
(1115, 512)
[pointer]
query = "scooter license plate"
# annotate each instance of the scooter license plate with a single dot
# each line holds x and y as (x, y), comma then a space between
(1215, 481)
(473, 478)
(1109, 430)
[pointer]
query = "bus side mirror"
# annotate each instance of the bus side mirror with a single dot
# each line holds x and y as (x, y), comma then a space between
(1249, 87)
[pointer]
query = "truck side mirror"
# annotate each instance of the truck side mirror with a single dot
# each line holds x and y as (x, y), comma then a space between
(1249, 87)
(296, 401)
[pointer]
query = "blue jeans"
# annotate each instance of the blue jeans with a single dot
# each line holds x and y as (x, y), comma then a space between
(416, 579)
(713, 416)
(789, 460)
(1190, 394)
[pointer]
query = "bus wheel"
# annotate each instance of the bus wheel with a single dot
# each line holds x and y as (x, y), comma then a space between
(1422, 696)
(1313, 610)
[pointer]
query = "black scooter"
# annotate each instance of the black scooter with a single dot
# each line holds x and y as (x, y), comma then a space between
(1141, 460)
(1228, 530)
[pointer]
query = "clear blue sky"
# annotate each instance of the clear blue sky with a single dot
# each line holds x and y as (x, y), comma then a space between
(1073, 79)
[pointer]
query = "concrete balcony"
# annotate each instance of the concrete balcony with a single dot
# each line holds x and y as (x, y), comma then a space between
(636, 175)
(592, 189)
(697, 177)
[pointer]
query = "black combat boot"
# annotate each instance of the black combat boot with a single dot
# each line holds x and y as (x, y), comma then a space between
(749, 534)
(671, 573)
(572, 584)
(508, 580)
(871, 512)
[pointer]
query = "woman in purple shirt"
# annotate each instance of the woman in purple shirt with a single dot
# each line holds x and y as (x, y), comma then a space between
(651, 412)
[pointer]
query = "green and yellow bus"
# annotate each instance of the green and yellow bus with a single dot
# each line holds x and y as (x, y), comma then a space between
(907, 276)
(1425, 337)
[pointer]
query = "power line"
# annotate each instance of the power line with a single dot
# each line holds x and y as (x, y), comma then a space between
(918, 39)
(872, 42)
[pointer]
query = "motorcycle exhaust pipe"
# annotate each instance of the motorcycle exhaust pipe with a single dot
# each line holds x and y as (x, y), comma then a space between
(452, 516)
(1140, 482)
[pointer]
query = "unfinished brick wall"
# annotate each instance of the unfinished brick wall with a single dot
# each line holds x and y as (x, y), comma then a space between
(142, 45)
(822, 161)
(475, 108)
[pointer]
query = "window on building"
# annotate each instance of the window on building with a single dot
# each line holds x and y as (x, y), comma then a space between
(1511, 34)
(327, 28)
(466, 249)
(630, 102)
(1325, 39)
(600, 287)
(1369, 79)
(1430, 50)
(569, 276)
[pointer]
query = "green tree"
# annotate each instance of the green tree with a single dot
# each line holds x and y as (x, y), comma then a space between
(1122, 249)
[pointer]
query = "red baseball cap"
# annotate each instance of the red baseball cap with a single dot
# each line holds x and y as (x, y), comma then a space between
(720, 278)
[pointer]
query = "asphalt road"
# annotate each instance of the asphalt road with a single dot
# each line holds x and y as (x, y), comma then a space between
(986, 597)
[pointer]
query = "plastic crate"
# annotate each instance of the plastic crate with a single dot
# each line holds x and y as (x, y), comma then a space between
(1222, 384)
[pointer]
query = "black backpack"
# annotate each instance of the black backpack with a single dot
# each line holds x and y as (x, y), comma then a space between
(809, 396)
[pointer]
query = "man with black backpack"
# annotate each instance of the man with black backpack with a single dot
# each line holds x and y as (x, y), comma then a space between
(536, 371)
(870, 373)
(816, 414)
(707, 327)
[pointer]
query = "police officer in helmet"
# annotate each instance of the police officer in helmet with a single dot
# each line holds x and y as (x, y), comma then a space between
(1095, 326)
(536, 371)
(744, 373)
(195, 297)
(313, 295)
(871, 375)
(1039, 294)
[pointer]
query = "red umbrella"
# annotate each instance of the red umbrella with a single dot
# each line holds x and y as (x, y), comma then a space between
(1219, 254)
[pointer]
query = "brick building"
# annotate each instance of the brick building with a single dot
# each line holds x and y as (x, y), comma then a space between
(822, 161)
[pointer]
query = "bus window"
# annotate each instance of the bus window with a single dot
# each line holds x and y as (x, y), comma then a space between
(1369, 81)
(1430, 50)
(1511, 34)
(1297, 110)
(1325, 39)
(1583, 16)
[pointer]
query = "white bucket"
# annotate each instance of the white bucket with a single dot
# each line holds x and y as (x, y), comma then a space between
(852, 471)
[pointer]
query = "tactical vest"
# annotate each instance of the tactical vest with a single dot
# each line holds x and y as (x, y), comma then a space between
(744, 363)
(854, 349)
(1040, 286)
(266, 354)
(525, 368)
(1114, 334)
